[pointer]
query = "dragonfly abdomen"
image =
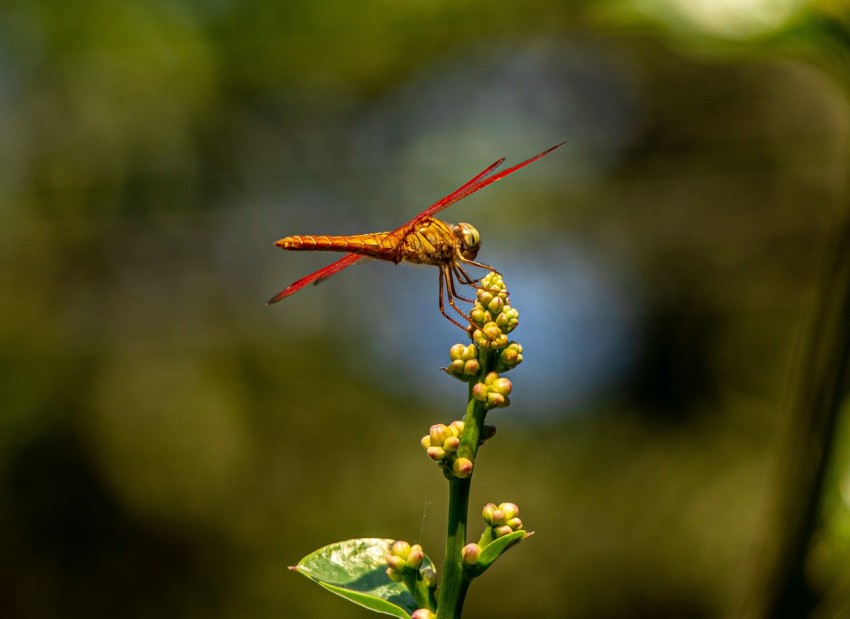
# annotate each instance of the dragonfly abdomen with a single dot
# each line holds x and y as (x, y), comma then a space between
(376, 244)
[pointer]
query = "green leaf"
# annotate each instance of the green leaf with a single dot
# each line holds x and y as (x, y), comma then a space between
(494, 550)
(356, 570)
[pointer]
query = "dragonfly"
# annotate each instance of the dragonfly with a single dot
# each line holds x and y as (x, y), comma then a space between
(422, 240)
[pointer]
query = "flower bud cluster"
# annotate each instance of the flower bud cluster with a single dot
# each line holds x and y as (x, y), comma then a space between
(489, 336)
(492, 316)
(493, 392)
(441, 444)
(502, 518)
(464, 362)
(403, 557)
(508, 358)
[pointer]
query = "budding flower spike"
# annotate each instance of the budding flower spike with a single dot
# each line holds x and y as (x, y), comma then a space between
(395, 577)
(422, 240)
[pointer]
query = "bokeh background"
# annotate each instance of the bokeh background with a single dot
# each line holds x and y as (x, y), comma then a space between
(169, 444)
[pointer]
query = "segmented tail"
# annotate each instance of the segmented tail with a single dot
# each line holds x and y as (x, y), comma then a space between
(373, 244)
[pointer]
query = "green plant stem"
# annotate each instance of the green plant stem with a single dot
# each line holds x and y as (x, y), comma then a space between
(455, 582)
(453, 589)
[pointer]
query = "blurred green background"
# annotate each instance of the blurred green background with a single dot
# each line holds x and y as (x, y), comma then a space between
(169, 444)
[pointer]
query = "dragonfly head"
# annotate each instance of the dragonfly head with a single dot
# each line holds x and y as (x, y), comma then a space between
(470, 240)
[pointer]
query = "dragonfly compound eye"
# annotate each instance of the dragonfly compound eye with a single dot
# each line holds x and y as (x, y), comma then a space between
(471, 241)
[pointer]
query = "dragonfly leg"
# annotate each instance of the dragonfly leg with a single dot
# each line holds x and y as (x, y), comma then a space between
(446, 276)
(465, 276)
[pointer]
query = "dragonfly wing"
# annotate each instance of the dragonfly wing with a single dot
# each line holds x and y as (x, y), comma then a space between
(480, 181)
(317, 277)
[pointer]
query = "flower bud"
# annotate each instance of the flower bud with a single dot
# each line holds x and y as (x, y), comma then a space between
(502, 531)
(456, 352)
(479, 316)
(451, 444)
(395, 563)
(488, 512)
(462, 468)
(456, 427)
(510, 510)
(479, 392)
(502, 386)
(469, 554)
(471, 367)
(438, 433)
(423, 613)
(456, 367)
(426, 441)
(492, 331)
(494, 306)
(494, 400)
(400, 548)
(415, 558)
(394, 575)
(436, 453)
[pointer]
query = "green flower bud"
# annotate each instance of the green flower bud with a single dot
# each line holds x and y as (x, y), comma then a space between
(470, 553)
(479, 316)
(492, 331)
(502, 386)
(436, 453)
(502, 531)
(510, 510)
(456, 427)
(514, 523)
(462, 468)
(426, 441)
(415, 558)
(471, 367)
(438, 433)
(395, 563)
(480, 340)
(423, 613)
(479, 392)
(494, 400)
(488, 512)
(400, 548)
(451, 444)
(456, 352)
(394, 575)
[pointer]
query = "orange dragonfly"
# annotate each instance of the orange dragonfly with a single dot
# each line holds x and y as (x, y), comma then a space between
(422, 240)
